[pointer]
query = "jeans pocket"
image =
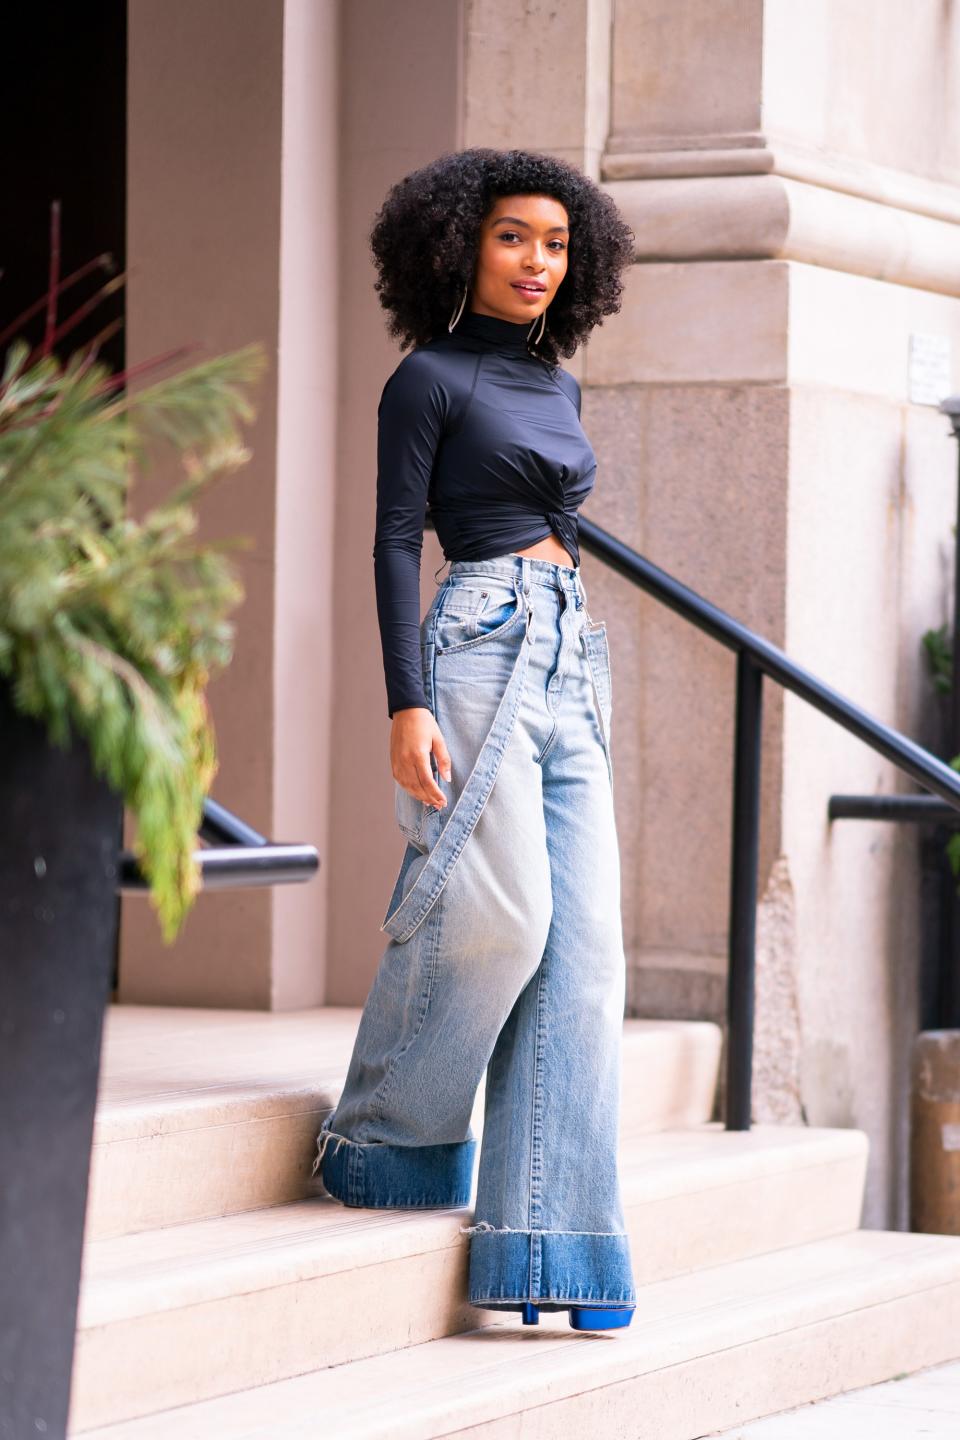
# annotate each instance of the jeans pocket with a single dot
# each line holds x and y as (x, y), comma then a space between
(411, 815)
(475, 611)
(419, 821)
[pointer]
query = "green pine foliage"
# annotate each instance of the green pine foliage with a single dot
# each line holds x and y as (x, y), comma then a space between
(937, 646)
(111, 627)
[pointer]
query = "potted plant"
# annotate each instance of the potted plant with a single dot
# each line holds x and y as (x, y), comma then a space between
(110, 628)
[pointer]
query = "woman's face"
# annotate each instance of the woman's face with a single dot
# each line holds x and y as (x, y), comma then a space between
(522, 257)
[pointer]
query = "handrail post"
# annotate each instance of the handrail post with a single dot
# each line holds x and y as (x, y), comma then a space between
(947, 1014)
(743, 891)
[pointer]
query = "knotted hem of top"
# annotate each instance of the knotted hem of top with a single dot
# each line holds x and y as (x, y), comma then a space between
(549, 1268)
(373, 1174)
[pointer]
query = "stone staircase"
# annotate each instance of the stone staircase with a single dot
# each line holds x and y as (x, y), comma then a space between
(224, 1294)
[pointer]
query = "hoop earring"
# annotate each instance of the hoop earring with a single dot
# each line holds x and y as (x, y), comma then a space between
(543, 326)
(456, 316)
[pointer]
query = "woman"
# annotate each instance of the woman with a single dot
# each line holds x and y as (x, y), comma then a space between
(505, 954)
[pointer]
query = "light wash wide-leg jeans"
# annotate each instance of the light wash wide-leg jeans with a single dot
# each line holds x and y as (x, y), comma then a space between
(505, 955)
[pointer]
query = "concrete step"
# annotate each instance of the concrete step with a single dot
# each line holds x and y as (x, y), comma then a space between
(196, 1310)
(204, 1112)
(705, 1351)
(921, 1406)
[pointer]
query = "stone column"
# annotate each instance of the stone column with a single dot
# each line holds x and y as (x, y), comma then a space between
(537, 77)
(400, 77)
(233, 237)
(792, 174)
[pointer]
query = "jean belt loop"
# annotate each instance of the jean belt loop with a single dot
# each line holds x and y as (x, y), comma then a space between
(526, 572)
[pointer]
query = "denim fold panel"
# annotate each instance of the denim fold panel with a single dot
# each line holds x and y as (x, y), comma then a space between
(399, 1175)
(549, 1268)
(504, 961)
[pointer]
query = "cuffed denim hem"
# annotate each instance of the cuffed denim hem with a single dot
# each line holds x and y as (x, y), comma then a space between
(549, 1268)
(374, 1174)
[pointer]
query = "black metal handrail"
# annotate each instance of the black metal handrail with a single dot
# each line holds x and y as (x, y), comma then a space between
(905, 753)
(757, 657)
(915, 809)
(235, 855)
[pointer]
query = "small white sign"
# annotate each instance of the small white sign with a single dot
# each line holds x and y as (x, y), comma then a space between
(929, 369)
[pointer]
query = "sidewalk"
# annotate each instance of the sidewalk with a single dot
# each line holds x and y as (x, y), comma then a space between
(925, 1405)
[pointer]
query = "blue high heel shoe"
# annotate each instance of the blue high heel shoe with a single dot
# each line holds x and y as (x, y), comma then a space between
(585, 1317)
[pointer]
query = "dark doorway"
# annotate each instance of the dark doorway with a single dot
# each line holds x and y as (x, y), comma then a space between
(63, 101)
(64, 105)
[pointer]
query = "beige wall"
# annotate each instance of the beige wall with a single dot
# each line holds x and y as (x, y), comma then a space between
(307, 586)
(868, 82)
(399, 67)
(538, 75)
(232, 159)
(262, 139)
(866, 92)
(684, 74)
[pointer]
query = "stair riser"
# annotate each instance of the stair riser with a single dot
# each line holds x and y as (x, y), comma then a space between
(668, 1081)
(133, 1368)
(689, 1231)
(733, 1386)
(199, 1174)
(219, 1167)
(154, 1363)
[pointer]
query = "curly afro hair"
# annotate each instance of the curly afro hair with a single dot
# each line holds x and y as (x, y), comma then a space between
(426, 236)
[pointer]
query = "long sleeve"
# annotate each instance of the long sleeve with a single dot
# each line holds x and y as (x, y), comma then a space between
(410, 420)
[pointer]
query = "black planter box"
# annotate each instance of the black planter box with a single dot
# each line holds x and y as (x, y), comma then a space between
(60, 834)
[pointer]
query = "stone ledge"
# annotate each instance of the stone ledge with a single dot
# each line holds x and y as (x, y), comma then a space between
(771, 216)
(766, 322)
(637, 157)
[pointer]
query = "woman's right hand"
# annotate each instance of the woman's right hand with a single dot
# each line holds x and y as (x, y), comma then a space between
(414, 737)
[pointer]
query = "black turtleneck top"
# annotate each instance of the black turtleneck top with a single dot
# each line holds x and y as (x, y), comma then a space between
(488, 436)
